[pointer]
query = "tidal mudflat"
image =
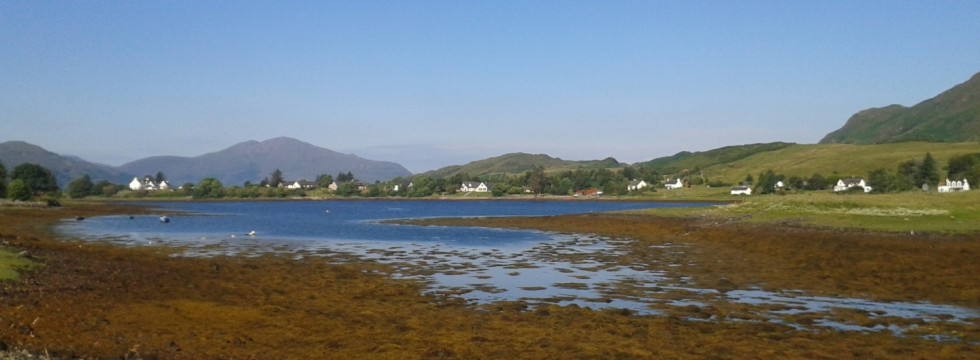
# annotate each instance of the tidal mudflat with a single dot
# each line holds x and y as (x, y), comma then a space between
(630, 287)
(483, 266)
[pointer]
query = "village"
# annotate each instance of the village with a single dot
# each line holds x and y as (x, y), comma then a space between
(405, 187)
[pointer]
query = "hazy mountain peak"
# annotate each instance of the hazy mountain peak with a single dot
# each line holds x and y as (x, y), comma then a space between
(254, 160)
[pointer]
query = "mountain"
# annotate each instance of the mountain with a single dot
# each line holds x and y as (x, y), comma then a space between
(64, 168)
(953, 116)
(518, 163)
(254, 160)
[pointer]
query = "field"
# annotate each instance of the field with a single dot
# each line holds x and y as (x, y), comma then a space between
(100, 301)
(842, 159)
(913, 212)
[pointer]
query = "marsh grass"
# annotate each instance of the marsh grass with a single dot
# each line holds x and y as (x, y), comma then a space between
(11, 264)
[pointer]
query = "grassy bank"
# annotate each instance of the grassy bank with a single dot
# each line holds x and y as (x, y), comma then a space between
(913, 212)
(11, 263)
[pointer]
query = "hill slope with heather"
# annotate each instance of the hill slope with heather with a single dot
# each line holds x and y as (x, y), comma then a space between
(953, 116)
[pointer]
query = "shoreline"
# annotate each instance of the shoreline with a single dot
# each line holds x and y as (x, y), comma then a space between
(93, 300)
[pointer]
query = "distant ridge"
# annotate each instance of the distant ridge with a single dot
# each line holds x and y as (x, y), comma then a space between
(518, 163)
(254, 160)
(686, 160)
(952, 116)
(64, 168)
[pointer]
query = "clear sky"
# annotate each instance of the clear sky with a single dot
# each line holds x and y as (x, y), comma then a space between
(432, 83)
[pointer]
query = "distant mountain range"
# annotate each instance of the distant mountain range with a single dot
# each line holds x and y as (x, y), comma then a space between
(254, 160)
(246, 161)
(953, 116)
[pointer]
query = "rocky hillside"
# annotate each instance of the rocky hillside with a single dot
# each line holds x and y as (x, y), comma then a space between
(953, 116)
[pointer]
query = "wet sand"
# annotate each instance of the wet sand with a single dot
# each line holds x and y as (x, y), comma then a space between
(103, 301)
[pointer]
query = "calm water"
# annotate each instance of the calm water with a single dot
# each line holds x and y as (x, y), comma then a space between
(312, 223)
(480, 265)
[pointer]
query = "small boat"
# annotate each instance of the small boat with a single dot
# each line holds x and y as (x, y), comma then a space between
(251, 233)
(164, 219)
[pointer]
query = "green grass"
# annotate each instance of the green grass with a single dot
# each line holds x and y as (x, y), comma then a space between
(903, 213)
(10, 263)
(842, 159)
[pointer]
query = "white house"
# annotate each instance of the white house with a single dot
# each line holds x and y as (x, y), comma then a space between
(473, 186)
(406, 185)
(742, 190)
(673, 184)
(300, 184)
(844, 184)
(636, 185)
(148, 184)
(136, 184)
(951, 186)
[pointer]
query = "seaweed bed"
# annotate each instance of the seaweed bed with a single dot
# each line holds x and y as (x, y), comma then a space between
(103, 301)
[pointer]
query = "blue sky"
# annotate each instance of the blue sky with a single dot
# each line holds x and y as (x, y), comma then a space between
(431, 83)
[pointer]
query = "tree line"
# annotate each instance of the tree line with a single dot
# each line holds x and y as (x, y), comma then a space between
(909, 175)
(32, 181)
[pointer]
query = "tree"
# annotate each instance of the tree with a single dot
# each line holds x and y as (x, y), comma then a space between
(324, 181)
(906, 175)
(882, 181)
(964, 167)
(107, 189)
(80, 187)
(816, 182)
(159, 178)
(344, 178)
(347, 189)
(767, 182)
(3, 181)
(98, 189)
(36, 178)
(209, 188)
(422, 186)
(928, 172)
(19, 191)
(276, 178)
(536, 180)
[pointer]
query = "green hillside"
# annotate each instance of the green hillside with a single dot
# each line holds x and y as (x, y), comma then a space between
(842, 159)
(953, 116)
(686, 160)
(519, 163)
